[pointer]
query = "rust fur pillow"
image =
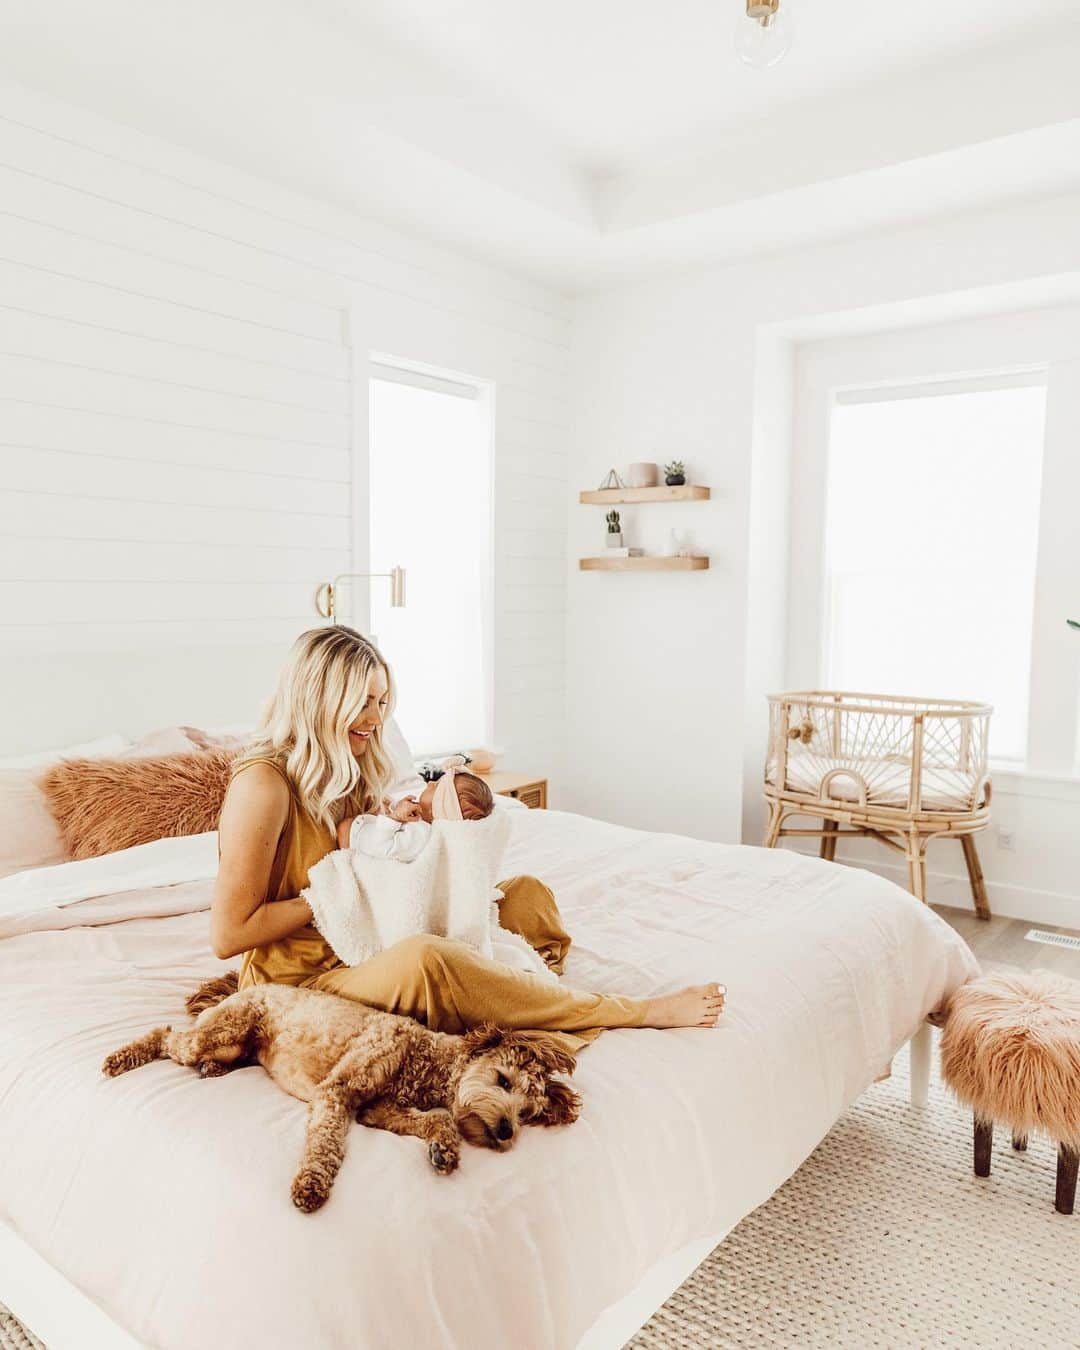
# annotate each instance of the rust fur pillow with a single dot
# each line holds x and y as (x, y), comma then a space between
(103, 805)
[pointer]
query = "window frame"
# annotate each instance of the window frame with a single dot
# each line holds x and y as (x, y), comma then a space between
(1037, 346)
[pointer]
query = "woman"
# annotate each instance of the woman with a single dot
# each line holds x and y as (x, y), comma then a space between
(319, 756)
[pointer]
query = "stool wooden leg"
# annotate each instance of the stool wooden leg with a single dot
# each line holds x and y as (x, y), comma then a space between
(828, 840)
(984, 1142)
(1020, 1142)
(975, 874)
(1068, 1158)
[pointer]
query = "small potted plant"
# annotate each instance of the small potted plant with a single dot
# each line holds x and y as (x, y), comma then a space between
(614, 530)
(675, 473)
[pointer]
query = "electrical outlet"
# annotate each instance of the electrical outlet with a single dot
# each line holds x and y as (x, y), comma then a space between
(1006, 840)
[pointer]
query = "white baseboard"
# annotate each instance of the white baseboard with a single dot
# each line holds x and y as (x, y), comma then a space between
(1006, 900)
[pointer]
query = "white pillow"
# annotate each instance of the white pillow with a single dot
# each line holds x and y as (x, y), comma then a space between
(103, 748)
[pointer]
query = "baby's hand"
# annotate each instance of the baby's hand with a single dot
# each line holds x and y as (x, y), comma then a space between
(408, 808)
(343, 830)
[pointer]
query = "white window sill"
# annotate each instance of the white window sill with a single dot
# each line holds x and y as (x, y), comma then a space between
(1010, 779)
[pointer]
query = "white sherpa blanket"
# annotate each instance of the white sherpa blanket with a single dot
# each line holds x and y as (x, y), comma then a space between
(362, 905)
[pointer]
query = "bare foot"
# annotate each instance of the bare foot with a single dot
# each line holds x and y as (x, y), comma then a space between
(698, 1006)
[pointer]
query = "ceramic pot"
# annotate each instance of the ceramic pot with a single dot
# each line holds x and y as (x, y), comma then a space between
(615, 540)
(675, 479)
(643, 475)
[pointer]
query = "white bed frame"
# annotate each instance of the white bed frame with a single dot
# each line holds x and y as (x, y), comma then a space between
(67, 1319)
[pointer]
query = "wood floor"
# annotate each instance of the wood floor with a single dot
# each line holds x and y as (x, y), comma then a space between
(1001, 942)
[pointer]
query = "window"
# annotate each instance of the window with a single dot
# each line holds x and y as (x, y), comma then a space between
(932, 523)
(430, 507)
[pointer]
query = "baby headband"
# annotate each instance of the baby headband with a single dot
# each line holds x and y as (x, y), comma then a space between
(444, 803)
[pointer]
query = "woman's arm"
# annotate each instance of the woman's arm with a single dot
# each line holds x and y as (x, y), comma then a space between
(252, 818)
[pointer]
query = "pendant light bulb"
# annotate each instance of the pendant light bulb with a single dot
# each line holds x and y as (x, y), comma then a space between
(763, 33)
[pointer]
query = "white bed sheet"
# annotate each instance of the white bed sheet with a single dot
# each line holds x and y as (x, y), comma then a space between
(165, 1197)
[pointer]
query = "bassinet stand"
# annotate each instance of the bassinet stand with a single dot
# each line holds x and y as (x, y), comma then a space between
(841, 725)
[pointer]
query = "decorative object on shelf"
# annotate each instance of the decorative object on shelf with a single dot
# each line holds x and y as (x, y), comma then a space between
(674, 544)
(641, 475)
(763, 33)
(675, 473)
(626, 553)
(614, 530)
(612, 481)
(482, 760)
(327, 595)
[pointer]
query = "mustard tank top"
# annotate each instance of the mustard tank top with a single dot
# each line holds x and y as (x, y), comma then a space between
(304, 841)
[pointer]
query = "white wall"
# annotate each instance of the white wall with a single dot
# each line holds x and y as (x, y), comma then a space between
(662, 669)
(183, 430)
(1039, 877)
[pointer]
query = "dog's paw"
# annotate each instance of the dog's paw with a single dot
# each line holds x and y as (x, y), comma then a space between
(443, 1157)
(210, 1068)
(309, 1191)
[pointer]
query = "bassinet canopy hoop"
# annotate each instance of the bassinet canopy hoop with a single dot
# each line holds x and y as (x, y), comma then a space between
(898, 768)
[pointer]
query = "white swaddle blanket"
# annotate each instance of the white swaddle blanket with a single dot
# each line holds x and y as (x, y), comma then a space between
(362, 905)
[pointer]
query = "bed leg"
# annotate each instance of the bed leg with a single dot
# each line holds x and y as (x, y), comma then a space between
(828, 840)
(921, 1044)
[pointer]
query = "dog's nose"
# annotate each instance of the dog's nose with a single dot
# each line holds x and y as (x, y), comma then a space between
(504, 1130)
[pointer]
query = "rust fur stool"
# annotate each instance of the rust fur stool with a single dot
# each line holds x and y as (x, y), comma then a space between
(1011, 1051)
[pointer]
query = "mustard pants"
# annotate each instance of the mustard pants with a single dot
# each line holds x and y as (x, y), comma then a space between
(448, 987)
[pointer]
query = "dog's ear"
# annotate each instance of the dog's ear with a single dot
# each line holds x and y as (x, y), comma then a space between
(548, 1051)
(561, 1105)
(486, 1036)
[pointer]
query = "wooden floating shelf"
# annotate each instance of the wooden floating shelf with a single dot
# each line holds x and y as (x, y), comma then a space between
(689, 492)
(643, 564)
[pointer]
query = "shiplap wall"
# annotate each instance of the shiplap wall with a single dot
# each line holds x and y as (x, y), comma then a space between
(183, 427)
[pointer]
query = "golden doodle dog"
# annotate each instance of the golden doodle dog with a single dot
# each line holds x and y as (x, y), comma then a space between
(348, 1060)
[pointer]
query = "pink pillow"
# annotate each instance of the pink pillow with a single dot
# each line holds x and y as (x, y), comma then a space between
(103, 805)
(29, 836)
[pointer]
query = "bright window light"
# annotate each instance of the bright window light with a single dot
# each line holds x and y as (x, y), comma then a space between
(430, 495)
(931, 537)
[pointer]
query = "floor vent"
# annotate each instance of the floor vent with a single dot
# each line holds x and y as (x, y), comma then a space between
(1053, 939)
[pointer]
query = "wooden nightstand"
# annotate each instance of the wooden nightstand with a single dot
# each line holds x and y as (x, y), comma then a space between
(527, 789)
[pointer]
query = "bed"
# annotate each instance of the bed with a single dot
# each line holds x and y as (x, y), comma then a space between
(154, 1209)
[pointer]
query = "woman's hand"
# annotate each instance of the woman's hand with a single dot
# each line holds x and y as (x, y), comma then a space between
(252, 819)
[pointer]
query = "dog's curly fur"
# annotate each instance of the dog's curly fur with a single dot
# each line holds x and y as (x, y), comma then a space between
(348, 1060)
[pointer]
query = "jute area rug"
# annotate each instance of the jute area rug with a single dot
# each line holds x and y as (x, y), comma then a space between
(883, 1238)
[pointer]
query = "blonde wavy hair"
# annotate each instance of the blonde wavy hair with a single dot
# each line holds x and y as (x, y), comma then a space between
(305, 728)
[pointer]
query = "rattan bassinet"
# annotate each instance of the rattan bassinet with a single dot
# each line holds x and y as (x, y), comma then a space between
(901, 770)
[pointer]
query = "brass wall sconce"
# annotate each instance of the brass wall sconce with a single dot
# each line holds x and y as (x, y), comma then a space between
(326, 595)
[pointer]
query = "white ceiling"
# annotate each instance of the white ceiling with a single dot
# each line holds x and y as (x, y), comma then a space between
(582, 140)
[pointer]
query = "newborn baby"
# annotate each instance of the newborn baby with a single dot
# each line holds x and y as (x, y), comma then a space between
(403, 831)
